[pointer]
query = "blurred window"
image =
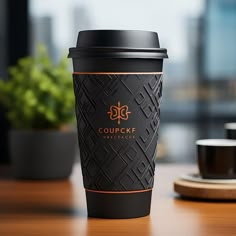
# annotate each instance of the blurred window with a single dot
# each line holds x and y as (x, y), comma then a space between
(199, 82)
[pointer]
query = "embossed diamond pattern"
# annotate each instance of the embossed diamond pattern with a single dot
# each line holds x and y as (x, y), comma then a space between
(118, 164)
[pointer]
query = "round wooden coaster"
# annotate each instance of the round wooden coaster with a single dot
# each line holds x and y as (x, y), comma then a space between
(205, 190)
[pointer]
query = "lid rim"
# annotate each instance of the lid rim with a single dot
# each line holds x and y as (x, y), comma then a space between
(115, 52)
(117, 48)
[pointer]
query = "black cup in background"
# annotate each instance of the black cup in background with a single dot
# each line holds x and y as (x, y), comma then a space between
(217, 158)
(230, 129)
(118, 85)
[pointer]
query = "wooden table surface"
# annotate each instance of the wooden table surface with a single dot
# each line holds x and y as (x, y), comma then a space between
(58, 208)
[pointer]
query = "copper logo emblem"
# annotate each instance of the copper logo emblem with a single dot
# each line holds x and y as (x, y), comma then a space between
(119, 112)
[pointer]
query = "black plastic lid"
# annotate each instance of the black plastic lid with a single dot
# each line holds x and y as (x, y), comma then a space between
(118, 44)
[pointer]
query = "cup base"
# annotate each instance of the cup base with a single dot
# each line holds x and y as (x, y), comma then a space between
(118, 205)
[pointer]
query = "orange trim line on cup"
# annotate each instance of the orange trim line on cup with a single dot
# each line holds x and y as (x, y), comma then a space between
(116, 73)
(119, 192)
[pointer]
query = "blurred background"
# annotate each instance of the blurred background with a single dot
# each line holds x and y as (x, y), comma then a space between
(200, 74)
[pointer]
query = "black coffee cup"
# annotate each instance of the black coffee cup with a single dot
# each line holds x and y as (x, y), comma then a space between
(118, 85)
(230, 129)
(217, 158)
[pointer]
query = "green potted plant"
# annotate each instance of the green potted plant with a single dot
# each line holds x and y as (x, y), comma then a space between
(39, 100)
